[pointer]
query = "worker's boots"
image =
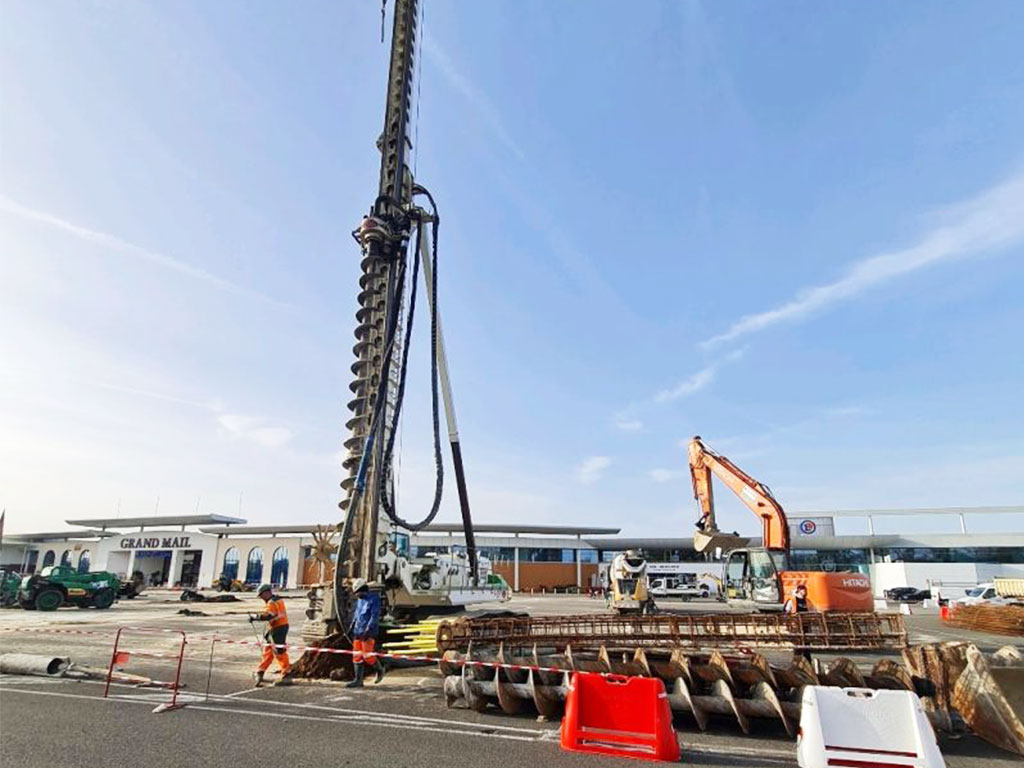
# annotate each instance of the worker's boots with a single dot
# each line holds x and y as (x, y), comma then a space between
(257, 678)
(379, 669)
(357, 681)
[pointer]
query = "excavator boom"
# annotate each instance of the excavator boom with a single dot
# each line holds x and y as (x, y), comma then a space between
(757, 496)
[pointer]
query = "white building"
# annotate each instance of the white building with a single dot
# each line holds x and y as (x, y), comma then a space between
(193, 550)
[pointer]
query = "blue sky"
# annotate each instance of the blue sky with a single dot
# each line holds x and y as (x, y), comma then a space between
(799, 234)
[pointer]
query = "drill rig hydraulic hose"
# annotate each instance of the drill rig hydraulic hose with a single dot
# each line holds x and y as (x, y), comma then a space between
(384, 477)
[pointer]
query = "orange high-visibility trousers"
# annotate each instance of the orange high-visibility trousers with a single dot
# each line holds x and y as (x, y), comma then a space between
(364, 651)
(271, 651)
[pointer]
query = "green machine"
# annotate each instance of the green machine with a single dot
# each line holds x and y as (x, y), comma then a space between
(58, 585)
(10, 583)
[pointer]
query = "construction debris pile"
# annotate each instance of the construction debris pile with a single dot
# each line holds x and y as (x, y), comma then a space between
(997, 619)
(511, 664)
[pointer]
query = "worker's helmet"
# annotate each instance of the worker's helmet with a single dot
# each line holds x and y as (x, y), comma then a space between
(358, 584)
(264, 588)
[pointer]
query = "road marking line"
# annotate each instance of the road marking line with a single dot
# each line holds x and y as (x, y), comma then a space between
(236, 693)
(417, 719)
(383, 719)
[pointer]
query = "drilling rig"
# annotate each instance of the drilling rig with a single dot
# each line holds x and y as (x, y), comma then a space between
(371, 533)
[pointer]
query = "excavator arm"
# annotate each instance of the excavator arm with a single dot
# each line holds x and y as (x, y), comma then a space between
(758, 497)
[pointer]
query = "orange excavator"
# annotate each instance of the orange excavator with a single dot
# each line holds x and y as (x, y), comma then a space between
(760, 577)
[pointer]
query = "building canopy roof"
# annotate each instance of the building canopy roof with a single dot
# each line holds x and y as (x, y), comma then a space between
(155, 521)
(912, 512)
(54, 536)
(554, 530)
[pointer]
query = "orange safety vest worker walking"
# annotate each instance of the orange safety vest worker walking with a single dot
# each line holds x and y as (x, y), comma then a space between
(276, 635)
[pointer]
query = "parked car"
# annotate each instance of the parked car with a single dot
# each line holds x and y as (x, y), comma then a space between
(684, 586)
(907, 594)
(982, 594)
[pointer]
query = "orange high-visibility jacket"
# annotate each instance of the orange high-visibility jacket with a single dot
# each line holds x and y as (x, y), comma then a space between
(275, 614)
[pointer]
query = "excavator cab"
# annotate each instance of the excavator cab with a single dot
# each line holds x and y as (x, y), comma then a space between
(752, 578)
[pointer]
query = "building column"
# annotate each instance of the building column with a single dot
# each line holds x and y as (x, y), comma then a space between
(172, 575)
(579, 566)
(294, 567)
(963, 523)
(131, 564)
(515, 570)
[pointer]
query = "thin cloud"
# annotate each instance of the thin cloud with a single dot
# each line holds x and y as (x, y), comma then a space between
(993, 219)
(628, 424)
(665, 475)
(592, 468)
(459, 82)
(697, 381)
(255, 430)
(844, 411)
(206, 406)
(688, 386)
(143, 254)
(233, 426)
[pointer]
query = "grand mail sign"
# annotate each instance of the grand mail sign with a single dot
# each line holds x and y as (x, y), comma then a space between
(156, 542)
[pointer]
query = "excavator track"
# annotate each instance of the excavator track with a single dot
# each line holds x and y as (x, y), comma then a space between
(502, 664)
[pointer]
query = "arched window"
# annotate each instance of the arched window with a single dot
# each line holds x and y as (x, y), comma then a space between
(254, 566)
(65, 559)
(83, 561)
(48, 558)
(231, 558)
(279, 567)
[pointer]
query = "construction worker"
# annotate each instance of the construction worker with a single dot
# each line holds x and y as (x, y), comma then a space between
(276, 634)
(797, 602)
(363, 631)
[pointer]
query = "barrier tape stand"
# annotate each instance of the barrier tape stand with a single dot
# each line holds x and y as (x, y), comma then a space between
(119, 658)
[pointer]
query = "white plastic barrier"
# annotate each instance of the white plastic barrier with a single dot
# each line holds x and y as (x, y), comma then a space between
(865, 728)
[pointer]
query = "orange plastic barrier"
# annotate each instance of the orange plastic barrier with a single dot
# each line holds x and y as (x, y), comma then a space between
(616, 715)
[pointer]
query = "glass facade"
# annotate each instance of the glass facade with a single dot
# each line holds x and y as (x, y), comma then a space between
(950, 554)
(830, 560)
(254, 566)
(854, 559)
(231, 558)
(497, 554)
(279, 567)
(545, 555)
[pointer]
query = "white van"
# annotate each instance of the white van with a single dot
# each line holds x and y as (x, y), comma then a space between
(982, 594)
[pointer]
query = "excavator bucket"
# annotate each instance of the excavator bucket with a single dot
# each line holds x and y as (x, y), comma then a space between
(990, 698)
(705, 540)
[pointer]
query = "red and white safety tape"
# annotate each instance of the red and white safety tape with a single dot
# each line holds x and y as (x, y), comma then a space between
(192, 639)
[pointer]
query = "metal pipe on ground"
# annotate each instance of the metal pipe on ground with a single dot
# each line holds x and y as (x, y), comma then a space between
(31, 664)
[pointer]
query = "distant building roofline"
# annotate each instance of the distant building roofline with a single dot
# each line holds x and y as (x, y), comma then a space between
(551, 530)
(155, 521)
(29, 538)
(259, 530)
(846, 541)
(1010, 510)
